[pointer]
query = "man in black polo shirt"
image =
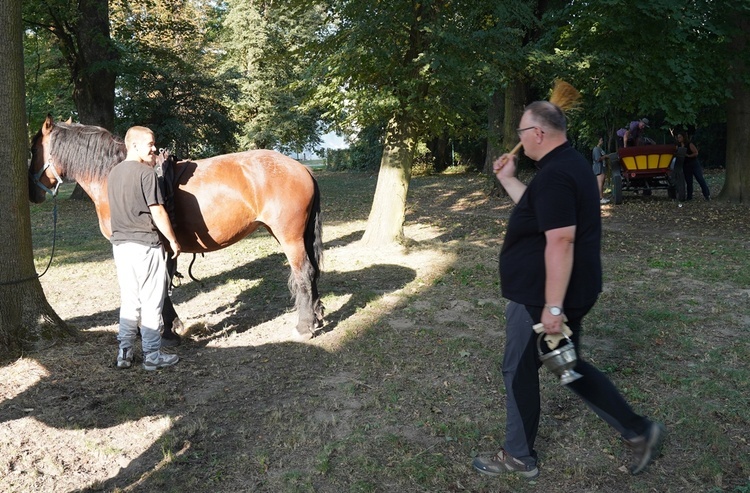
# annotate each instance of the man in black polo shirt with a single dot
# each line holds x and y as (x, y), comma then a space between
(550, 271)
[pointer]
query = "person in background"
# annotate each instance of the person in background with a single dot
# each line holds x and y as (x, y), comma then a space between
(633, 135)
(692, 168)
(550, 272)
(137, 216)
(597, 157)
(621, 137)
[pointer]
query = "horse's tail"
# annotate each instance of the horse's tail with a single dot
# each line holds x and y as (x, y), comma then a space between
(314, 249)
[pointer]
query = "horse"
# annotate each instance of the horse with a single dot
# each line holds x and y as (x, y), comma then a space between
(217, 201)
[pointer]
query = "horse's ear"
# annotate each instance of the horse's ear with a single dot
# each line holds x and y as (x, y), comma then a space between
(69, 120)
(47, 125)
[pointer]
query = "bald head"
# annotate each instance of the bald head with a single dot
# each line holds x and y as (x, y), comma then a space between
(548, 115)
(546, 125)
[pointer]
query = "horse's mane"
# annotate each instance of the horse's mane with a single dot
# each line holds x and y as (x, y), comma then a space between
(85, 152)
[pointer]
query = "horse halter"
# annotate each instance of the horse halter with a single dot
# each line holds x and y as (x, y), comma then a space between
(36, 176)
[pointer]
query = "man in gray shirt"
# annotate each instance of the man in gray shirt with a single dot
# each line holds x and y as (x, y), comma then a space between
(137, 217)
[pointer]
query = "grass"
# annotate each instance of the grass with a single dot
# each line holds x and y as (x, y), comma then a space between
(406, 388)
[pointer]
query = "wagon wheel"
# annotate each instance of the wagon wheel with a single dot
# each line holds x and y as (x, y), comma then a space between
(617, 188)
(616, 179)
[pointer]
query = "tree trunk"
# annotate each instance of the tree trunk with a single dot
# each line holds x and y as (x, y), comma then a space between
(440, 149)
(94, 83)
(737, 181)
(94, 68)
(515, 102)
(386, 222)
(25, 316)
(495, 114)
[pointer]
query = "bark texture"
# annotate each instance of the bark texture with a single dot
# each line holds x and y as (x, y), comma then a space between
(386, 221)
(26, 319)
(737, 182)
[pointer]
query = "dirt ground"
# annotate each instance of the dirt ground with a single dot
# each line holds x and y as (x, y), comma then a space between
(248, 408)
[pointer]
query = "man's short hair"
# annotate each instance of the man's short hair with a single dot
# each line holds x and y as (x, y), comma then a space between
(135, 132)
(549, 115)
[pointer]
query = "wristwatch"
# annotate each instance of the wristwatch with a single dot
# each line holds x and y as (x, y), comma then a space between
(556, 311)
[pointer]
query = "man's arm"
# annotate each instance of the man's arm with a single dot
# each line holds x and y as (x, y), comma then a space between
(558, 264)
(505, 171)
(161, 219)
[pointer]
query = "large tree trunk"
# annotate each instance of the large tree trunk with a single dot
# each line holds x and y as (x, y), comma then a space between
(94, 67)
(94, 83)
(386, 222)
(737, 181)
(25, 316)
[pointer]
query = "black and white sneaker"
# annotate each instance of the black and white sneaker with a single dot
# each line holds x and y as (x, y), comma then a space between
(125, 357)
(157, 359)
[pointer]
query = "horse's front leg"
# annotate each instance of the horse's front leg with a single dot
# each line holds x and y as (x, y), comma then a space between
(171, 323)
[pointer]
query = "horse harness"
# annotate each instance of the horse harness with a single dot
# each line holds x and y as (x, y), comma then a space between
(169, 172)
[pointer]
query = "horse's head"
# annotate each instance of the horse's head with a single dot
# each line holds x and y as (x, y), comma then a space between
(43, 176)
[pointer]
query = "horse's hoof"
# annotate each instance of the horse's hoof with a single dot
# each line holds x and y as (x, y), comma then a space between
(172, 341)
(303, 336)
(178, 327)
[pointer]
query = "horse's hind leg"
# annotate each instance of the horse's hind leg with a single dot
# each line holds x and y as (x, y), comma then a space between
(303, 246)
(304, 289)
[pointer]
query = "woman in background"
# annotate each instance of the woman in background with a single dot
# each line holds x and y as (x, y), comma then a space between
(692, 168)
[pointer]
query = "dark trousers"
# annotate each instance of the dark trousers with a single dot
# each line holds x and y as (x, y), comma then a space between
(693, 169)
(521, 376)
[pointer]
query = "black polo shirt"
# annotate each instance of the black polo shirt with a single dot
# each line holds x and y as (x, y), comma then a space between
(563, 193)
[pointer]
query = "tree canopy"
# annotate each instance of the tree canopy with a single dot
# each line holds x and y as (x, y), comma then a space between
(213, 77)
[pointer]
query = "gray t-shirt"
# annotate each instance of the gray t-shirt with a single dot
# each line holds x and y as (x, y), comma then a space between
(132, 187)
(596, 159)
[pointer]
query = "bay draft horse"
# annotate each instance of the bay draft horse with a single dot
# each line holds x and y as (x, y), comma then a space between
(217, 201)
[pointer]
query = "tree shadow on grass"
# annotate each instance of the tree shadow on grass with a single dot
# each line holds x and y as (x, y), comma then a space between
(266, 301)
(216, 400)
(269, 296)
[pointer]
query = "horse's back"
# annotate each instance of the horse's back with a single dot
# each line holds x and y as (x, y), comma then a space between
(260, 168)
(222, 199)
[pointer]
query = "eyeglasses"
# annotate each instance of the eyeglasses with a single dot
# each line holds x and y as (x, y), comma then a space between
(519, 131)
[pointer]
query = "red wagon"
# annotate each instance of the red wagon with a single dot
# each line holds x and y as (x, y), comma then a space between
(643, 169)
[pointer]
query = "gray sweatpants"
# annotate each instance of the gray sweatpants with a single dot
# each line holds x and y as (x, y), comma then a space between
(142, 274)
